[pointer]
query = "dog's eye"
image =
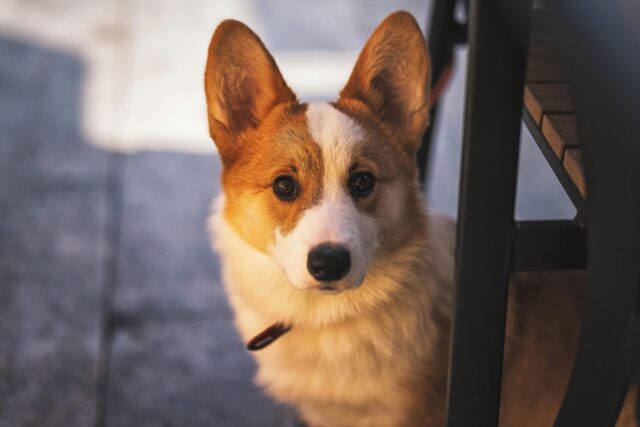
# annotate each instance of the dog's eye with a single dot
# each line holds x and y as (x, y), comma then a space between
(285, 188)
(361, 184)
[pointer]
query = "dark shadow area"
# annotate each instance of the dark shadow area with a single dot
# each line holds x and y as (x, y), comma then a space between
(51, 241)
(111, 308)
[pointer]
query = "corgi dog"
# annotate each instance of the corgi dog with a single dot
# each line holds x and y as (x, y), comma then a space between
(340, 280)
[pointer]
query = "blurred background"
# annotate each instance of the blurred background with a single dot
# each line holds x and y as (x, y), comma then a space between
(111, 307)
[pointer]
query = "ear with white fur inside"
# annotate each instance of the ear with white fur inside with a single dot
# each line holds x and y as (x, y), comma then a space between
(391, 77)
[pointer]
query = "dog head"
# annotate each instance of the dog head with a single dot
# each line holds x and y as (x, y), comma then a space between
(321, 188)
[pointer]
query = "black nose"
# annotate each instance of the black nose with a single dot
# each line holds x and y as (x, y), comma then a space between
(328, 261)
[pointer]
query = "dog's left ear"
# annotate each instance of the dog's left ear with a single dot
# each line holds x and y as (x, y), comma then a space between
(391, 77)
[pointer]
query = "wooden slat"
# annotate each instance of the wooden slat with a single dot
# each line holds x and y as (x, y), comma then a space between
(541, 42)
(545, 68)
(545, 60)
(547, 98)
(573, 165)
(542, 38)
(561, 132)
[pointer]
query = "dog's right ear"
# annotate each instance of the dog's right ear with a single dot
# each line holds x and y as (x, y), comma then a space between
(242, 85)
(391, 77)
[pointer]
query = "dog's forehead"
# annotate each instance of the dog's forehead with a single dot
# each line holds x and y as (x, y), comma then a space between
(331, 128)
(337, 135)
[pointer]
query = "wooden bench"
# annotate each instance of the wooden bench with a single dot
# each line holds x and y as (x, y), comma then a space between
(549, 112)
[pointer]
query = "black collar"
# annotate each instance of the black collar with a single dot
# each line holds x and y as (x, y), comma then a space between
(268, 336)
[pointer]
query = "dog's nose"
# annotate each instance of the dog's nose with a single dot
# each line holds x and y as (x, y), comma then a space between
(328, 261)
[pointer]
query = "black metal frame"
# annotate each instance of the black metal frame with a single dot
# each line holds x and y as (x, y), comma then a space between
(555, 163)
(549, 246)
(444, 34)
(490, 244)
(485, 218)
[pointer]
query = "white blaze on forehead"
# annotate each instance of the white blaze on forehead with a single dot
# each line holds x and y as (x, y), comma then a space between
(335, 218)
(336, 134)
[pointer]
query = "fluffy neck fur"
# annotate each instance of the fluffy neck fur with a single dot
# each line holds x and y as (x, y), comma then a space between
(393, 330)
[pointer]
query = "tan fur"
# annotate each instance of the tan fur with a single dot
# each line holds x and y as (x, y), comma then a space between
(391, 77)
(375, 355)
(242, 86)
(260, 130)
(281, 146)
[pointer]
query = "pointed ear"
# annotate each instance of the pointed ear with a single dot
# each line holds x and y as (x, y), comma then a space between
(242, 85)
(391, 77)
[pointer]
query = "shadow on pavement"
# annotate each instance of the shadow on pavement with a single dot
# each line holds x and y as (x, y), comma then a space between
(111, 308)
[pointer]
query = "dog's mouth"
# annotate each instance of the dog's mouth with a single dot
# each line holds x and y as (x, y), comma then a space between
(328, 288)
(333, 287)
(351, 282)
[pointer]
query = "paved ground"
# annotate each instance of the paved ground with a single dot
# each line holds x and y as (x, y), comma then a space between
(111, 308)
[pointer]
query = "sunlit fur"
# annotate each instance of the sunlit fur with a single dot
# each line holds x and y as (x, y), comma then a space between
(373, 353)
